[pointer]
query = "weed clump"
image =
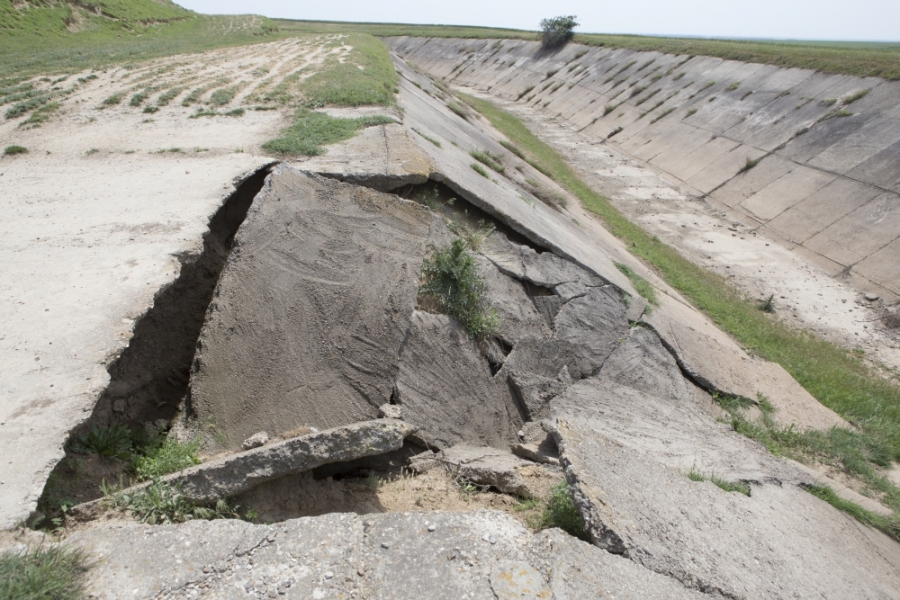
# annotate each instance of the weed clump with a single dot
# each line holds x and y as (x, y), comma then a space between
(748, 165)
(46, 573)
(451, 279)
(488, 159)
(561, 512)
(480, 170)
(13, 150)
(723, 484)
(163, 503)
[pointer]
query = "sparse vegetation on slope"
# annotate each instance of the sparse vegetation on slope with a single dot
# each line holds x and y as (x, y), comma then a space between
(836, 377)
(366, 77)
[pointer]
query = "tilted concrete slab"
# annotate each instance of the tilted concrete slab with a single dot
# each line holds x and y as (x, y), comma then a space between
(311, 311)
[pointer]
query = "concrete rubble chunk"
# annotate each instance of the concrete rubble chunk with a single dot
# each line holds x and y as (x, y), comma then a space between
(255, 441)
(536, 392)
(236, 473)
(587, 330)
(311, 310)
(390, 411)
(518, 316)
(445, 388)
(486, 466)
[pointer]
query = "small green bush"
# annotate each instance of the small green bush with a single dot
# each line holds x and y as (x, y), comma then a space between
(561, 512)
(487, 158)
(13, 150)
(557, 32)
(480, 170)
(222, 96)
(114, 99)
(51, 573)
(452, 280)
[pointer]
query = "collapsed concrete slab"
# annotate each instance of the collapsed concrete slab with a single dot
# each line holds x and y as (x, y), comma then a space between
(445, 387)
(414, 555)
(311, 311)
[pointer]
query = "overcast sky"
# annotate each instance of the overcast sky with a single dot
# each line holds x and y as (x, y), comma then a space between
(783, 19)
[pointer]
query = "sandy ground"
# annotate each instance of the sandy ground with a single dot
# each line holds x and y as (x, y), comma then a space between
(805, 296)
(97, 214)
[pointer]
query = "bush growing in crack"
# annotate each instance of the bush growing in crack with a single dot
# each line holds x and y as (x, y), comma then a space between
(451, 279)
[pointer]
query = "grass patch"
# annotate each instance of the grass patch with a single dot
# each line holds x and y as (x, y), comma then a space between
(365, 78)
(488, 159)
(113, 100)
(20, 108)
(559, 511)
(857, 96)
(641, 285)
(311, 130)
(836, 377)
(162, 503)
(728, 486)
(889, 526)
(168, 96)
(459, 109)
(203, 112)
(138, 99)
(512, 149)
(162, 455)
(151, 109)
(661, 115)
(46, 573)
(451, 280)
(222, 96)
(480, 170)
(430, 139)
(41, 115)
(236, 112)
(13, 150)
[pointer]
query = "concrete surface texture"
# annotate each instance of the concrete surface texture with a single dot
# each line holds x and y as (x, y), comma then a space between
(438, 555)
(825, 185)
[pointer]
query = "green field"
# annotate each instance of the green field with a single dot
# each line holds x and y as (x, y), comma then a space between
(58, 37)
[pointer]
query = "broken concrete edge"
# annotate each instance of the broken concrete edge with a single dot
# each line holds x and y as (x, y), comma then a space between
(235, 473)
(189, 255)
(693, 375)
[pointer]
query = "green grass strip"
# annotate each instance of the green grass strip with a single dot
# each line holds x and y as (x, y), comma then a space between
(837, 378)
(366, 77)
(890, 526)
(311, 130)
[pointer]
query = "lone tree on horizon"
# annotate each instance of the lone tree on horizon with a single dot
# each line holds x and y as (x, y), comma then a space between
(557, 31)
